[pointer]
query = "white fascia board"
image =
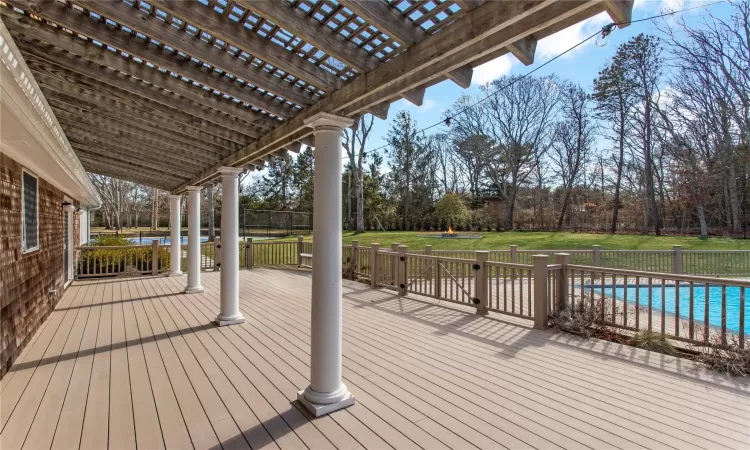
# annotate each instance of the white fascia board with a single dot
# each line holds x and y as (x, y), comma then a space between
(30, 132)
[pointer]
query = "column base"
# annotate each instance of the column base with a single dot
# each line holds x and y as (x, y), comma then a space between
(175, 274)
(320, 409)
(194, 290)
(482, 311)
(224, 321)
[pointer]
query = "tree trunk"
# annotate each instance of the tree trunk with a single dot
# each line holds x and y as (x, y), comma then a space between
(564, 209)
(702, 221)
(618, 181)
(360, 201)
(210, 213)
(509, 208)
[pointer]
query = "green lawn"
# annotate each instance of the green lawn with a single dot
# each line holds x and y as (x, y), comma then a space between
(544, 240)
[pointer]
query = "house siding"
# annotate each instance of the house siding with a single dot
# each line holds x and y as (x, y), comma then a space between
(31, 284)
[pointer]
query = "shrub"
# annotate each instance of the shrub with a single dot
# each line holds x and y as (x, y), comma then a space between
(104, 241)
(655, 342)
(727, 357)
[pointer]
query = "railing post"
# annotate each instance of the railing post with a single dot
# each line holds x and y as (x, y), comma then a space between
(514, 254)
(540, 291)
(480, 282)
(354, 257)
(428, 252)
(217, 254)
(677, 259)
(596, 251)
(249, 253)
(300, 250)
(154, 257)
(394, 265)
(562, 281)
(402, 276)
(374, 265)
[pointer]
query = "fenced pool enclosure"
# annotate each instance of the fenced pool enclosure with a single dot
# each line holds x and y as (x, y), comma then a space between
(673, 292)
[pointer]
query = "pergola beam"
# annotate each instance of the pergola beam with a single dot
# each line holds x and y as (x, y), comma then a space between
(105, 154)
(479, 33)
(111, 170)
(77, 48)
(162, 128)
(143, 152)
(83, 72)
(235, 34)
(119, 111)
(147, 51)
(154, 28)
(621, 11)
(105, 123)
(129, 138)
(88, 90)
(380, 110)
(308, 28)
(387, 20)
(461, 76)
(379, 14)
(415, 96)
(524, 49)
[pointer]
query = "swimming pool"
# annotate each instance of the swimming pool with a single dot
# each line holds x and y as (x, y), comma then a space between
(699, 301)
(165, 240)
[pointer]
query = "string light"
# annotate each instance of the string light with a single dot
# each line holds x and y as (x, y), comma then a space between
(602, 34)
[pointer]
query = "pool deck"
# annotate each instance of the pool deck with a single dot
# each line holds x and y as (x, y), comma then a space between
(127, 363)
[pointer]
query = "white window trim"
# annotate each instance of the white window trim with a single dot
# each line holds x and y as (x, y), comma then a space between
(23, 213)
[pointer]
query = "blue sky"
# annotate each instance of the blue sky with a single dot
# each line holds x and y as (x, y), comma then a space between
(580, 66)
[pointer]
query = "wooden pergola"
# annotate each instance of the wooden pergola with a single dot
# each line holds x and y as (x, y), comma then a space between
(165, 92)
(174, 94)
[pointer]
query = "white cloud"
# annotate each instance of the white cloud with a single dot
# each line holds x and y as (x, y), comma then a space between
(492, 70)
(427, 104)
(557, 43)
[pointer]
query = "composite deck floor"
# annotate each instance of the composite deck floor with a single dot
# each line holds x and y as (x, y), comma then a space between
(134, 363)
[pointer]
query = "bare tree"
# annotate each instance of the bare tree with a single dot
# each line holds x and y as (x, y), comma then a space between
(355, 141)
(614, 96)
(520, 117)
(574, 139)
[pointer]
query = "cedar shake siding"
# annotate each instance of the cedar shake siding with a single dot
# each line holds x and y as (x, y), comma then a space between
(31, 284)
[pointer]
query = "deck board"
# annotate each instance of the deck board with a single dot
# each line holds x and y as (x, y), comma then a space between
(126, 363)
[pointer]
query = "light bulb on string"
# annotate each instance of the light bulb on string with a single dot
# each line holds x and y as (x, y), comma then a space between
(601, 40)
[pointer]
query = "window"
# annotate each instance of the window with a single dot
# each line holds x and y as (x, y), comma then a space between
(30, 211)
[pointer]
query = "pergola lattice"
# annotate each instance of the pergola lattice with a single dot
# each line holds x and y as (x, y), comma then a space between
(165, 92)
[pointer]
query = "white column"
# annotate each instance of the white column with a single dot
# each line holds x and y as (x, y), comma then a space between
(69, 210)
(82, 218)
(194, 241)
(230, 248)
(175, 247)
(326, 392)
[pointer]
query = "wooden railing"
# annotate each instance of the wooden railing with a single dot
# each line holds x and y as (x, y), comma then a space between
(100, 261)
(699, 310)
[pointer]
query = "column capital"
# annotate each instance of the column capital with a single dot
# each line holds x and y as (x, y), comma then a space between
(80, 212)
(324, 121)
(69, 208)
(175, 196)
(193, 188)
(228, 171)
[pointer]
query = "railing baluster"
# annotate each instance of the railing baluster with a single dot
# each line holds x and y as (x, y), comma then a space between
(663, 307)
(691, 317)
(723, 315)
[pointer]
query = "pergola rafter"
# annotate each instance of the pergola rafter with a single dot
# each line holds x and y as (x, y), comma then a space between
(103, 79)
(88, 89)
(233, 81)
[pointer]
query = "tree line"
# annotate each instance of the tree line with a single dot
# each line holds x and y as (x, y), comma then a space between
(657, 141)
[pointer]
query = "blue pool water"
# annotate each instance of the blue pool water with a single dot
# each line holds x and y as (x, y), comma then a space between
(164, 240)
(699, 302)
